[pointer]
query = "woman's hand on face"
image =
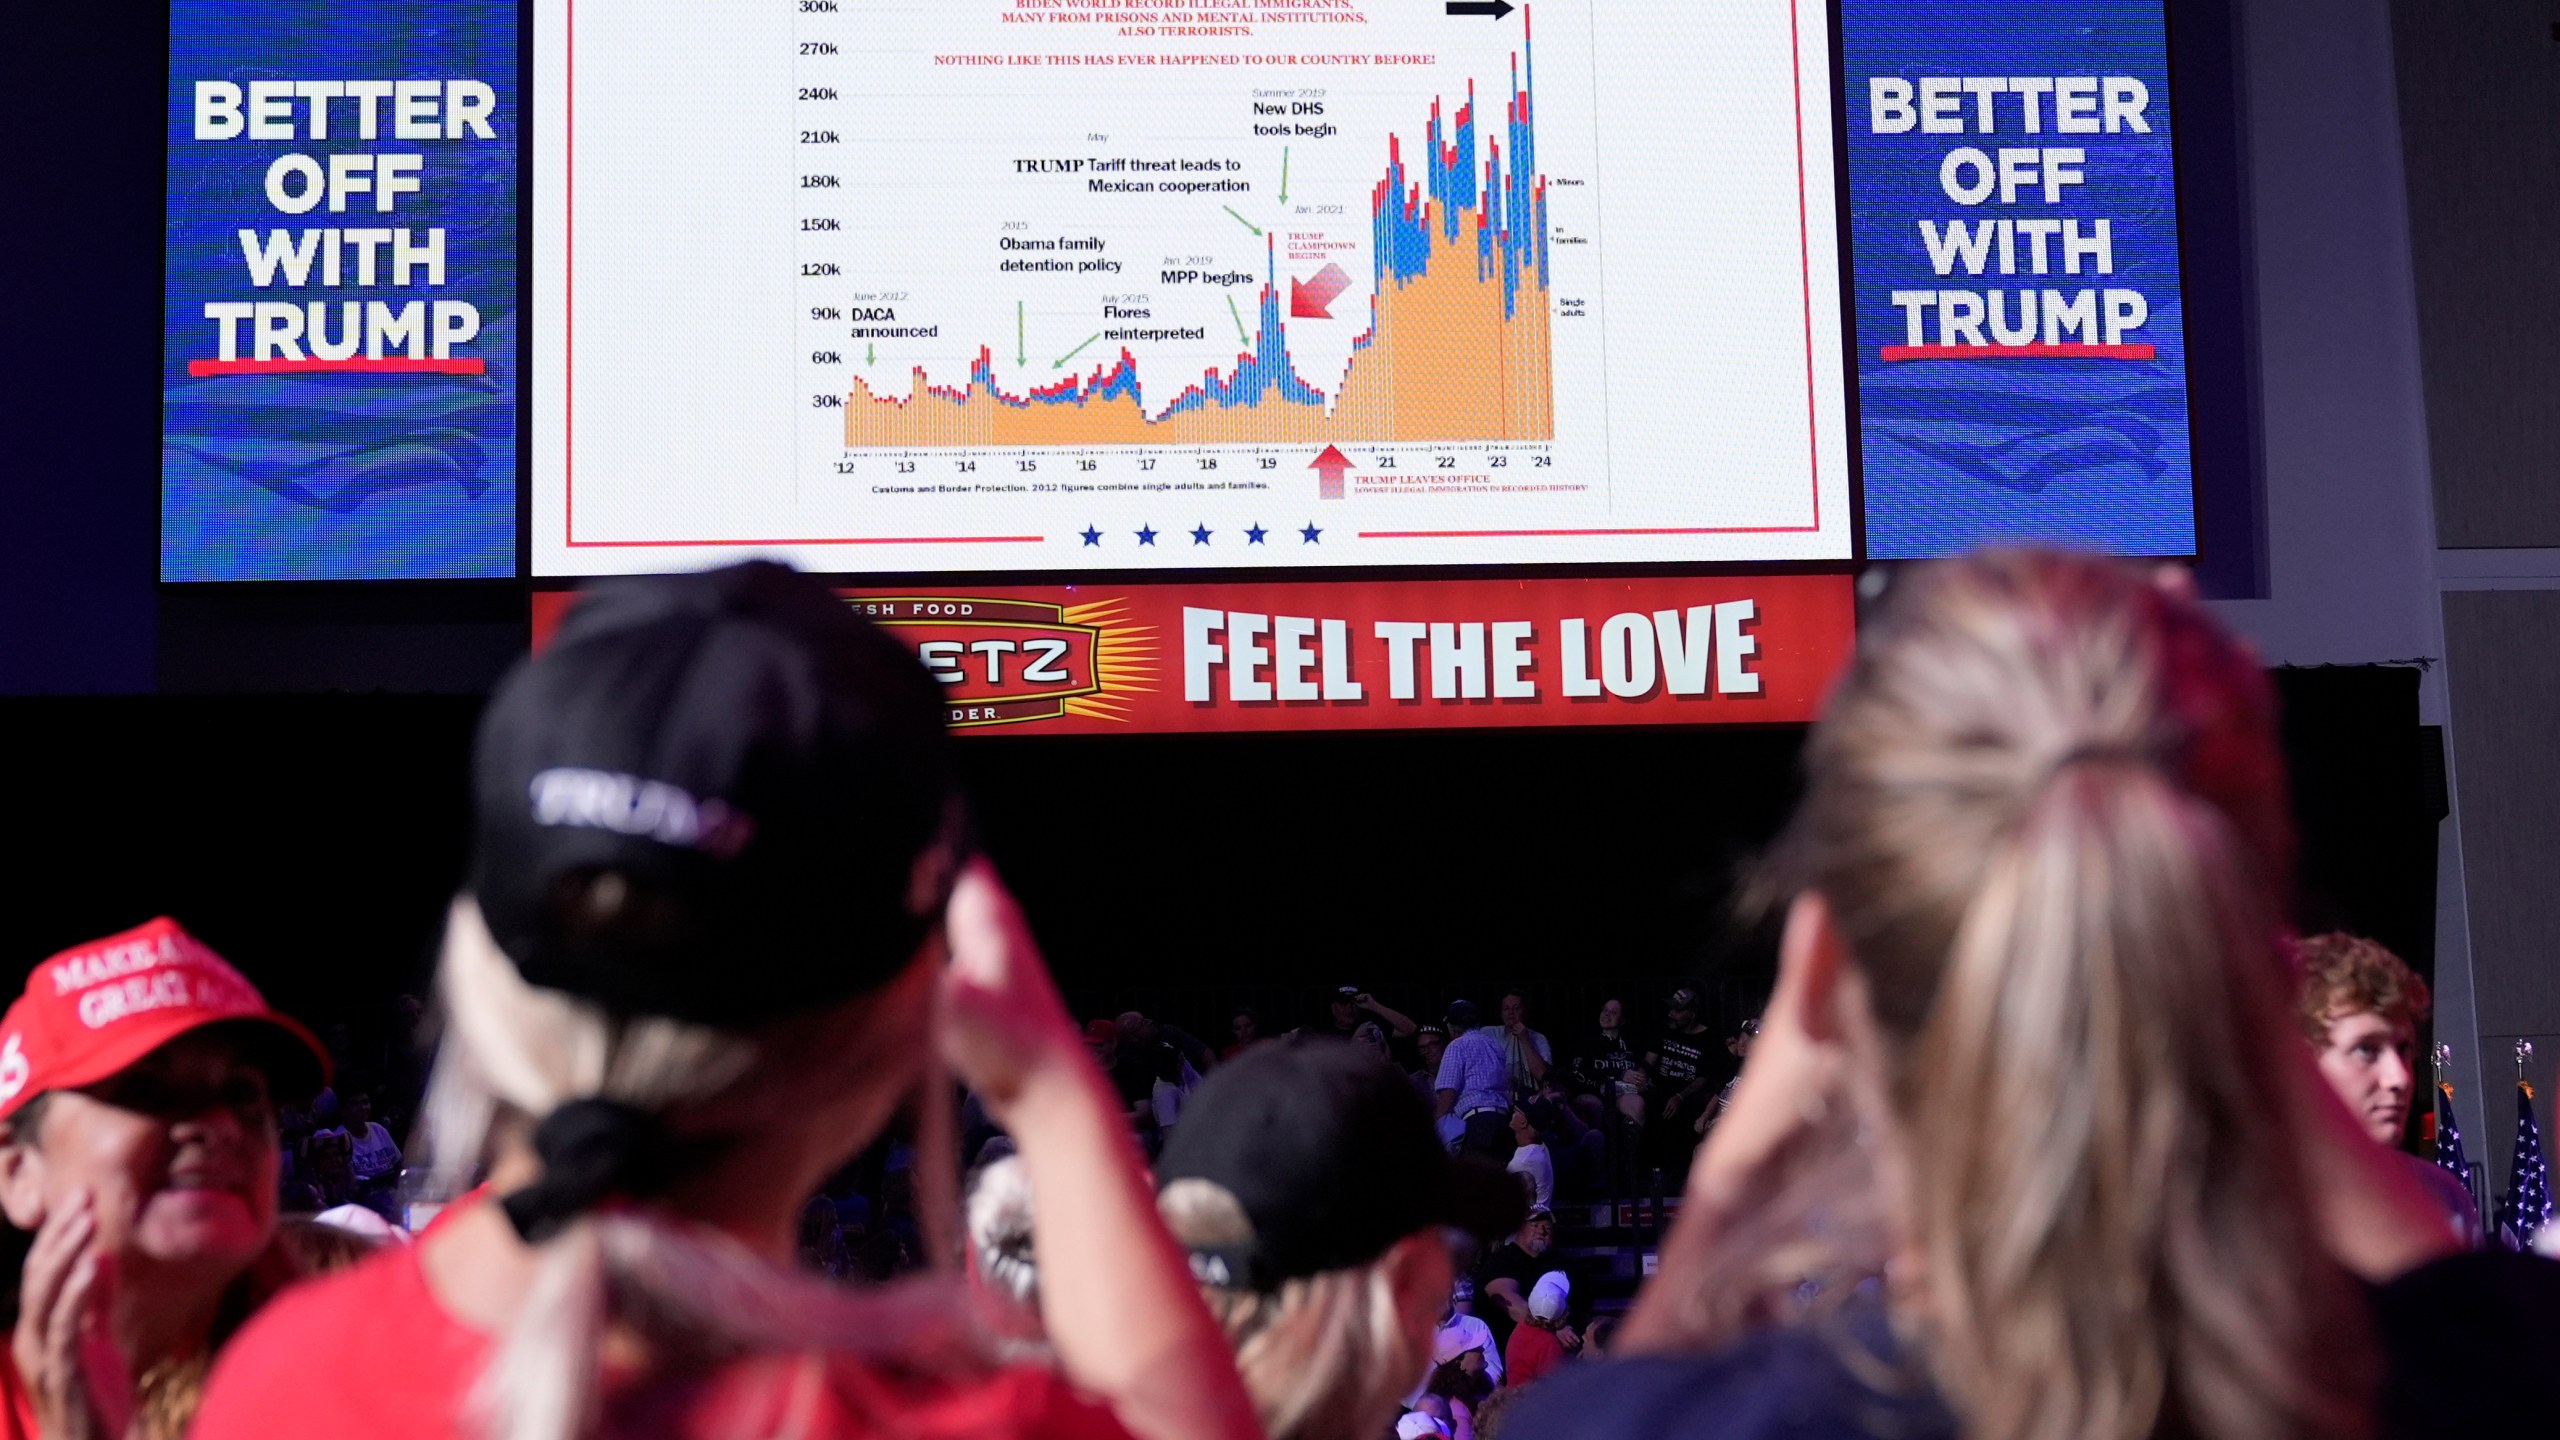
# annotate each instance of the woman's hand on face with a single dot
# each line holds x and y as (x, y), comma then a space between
(74, 1374)
(1002, 1023)
(1786, 1088)
(1792, 1077)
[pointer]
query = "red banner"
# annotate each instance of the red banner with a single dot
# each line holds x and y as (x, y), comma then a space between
(1367, 655)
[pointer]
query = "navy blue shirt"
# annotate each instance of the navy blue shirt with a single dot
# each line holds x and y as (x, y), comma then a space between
(1792, 1382)
(2466, 1341)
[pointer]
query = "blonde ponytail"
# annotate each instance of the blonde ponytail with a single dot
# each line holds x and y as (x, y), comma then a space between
(2113, 1237)
(513, 1053)
(2044, 811)
(542, 1382)
(1325, 1356)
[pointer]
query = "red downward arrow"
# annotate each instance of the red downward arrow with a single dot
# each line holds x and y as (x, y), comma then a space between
(1329, 467)
(1308, 299)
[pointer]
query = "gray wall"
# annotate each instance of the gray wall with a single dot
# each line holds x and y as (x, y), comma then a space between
(2350, 538)
(2343, 414)
(2505, 668)
(2480, 115)
(2404, 186)
(2479, 88)
(2503, 657)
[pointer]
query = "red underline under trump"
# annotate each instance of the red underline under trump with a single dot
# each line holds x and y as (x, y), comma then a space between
(390, 365)
(2017, 352)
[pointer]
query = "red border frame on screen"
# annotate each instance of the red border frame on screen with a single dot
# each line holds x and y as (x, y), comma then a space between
(568, 352)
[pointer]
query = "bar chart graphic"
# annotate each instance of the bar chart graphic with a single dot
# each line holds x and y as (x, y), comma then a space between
(943, 286)
(1457, 346)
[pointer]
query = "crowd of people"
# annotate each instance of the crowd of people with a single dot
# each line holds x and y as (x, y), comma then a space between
(753, 1110)
(1503, 1090)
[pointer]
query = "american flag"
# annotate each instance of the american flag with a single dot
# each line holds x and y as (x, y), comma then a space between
(2528, 1206)
(2449, 1136)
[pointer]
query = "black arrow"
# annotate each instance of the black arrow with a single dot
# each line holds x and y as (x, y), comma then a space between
(1495, 8)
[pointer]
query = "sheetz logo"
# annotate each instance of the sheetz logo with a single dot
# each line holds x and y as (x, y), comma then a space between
(1008, 662)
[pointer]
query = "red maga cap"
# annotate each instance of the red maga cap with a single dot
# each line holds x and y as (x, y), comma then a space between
(95, 1009)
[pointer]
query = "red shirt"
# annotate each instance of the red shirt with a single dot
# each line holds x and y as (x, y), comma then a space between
(17, 1407)
(368, 1352)
(1534, 1350)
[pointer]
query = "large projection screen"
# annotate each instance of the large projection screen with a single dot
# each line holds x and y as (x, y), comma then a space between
(1005, 285)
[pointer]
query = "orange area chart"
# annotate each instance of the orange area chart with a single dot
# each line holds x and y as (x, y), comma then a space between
(1456, 349)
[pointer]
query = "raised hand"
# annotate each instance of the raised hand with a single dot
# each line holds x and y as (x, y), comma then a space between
(1002, 1022)
(73, 1371)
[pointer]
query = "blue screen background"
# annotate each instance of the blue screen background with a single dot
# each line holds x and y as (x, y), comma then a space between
(339, 476)
(2089, 453)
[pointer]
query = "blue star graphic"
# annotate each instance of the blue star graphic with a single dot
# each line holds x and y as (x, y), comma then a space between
(1253, 536)
(1092, 536)
(1146, 535)
(1200, 535)
(1311, 535)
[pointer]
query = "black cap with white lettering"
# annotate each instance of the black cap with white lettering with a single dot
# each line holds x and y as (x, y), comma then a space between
(1330, 1152)
(720, 797)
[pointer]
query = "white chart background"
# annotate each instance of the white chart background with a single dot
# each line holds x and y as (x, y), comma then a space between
(679, 406)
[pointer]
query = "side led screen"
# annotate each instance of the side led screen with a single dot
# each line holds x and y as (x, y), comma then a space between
(2021, 350)
(339, 367)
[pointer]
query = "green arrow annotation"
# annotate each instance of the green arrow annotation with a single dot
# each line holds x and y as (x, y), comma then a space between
(1249, 225)
(1070, 355)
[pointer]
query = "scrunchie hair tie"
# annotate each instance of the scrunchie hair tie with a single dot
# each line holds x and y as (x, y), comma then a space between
(2099, 752)
(591, 1149)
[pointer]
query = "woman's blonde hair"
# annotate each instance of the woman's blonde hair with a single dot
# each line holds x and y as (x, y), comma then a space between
(2046, 811)
(1325, 1356)
(511, 1053)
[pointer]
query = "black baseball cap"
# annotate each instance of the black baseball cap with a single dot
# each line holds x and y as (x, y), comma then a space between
(721, 797)
(1332, 1154)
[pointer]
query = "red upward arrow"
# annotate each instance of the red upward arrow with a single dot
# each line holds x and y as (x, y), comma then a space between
(1329, 467)
(1307, 299)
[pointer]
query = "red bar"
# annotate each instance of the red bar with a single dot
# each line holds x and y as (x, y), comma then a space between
(1505, 534)
(2017, 352)
(1544, 647)
(832, 540)
(393, 365)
